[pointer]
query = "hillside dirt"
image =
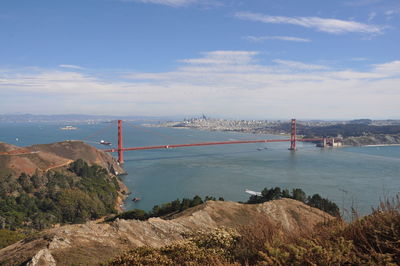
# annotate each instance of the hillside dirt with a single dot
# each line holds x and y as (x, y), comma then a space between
(94, 242)
(44, 157)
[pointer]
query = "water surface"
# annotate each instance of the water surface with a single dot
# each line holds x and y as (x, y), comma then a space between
(356, 177)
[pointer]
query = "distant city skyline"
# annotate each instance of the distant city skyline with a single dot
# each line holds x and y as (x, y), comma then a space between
(257, 59)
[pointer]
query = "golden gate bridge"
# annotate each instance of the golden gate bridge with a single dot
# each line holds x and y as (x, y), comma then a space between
(293, 139)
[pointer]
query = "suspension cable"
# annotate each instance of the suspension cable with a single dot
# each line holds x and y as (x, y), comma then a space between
(98, 132)
(149, 131)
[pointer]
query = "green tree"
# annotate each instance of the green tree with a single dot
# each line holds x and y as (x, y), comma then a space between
(207, 198)
(175, 205)
(196, 201)
(299, 195)
(286, 193)
(185, 204)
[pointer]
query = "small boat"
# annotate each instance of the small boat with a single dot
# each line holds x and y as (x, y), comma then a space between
(103, 142)
(254, 193)
(68, 128)
(259, 149)
(135, 199)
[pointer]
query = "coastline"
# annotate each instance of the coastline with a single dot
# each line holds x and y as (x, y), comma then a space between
(122, 196)
(380, 145)
(265, 127)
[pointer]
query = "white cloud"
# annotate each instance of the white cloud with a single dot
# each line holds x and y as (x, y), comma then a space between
(219, 83)
(358, 59)
(280, 38)
(299, 65)
(71, 66)
(223, 58)
(371, 16)
(171, 3)
(392, 13)
(390, 68)
(328, 25)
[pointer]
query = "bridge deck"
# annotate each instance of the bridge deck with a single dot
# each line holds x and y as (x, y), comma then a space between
(209, 144)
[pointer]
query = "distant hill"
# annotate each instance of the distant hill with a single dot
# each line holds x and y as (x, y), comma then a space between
(30, 118)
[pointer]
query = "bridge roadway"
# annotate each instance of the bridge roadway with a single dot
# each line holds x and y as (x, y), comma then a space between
(209, 144)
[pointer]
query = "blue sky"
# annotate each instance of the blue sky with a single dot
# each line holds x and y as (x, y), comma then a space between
(258, 59)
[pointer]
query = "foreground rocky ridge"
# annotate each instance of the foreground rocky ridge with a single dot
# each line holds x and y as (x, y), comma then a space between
(96, 242)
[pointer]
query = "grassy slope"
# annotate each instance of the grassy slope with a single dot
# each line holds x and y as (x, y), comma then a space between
(371, 240)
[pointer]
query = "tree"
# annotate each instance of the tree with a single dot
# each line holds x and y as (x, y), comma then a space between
(286, 193)
(299, 195)
(326, 205)
(175, 205)
(25, 182)
(207, 198)
(196, 201)
(135, 214)
(39, 180)
(185, 204)
(155, 211)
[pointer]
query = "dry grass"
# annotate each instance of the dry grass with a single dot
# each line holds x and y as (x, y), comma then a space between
(371, 240)
(253, 239)
(201, 248)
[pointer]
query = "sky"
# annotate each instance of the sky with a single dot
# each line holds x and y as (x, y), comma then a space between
(255, 59)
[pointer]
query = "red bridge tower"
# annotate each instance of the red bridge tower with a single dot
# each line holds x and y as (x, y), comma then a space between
(293, 136)
(120, 146)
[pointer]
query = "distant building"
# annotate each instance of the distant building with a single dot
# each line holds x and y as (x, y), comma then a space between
(334, 143)
(330, 142)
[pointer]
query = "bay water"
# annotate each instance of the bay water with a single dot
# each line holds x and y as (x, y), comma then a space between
(352, 177)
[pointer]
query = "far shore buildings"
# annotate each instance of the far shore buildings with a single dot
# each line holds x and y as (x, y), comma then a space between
(330, 142)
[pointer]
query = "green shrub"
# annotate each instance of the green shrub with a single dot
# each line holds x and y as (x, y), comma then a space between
(315, 201)
(39, 201)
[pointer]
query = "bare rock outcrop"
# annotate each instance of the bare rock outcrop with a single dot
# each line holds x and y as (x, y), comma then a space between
(92, 242)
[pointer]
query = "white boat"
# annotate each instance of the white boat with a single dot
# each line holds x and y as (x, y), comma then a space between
(68, 128)
(103, 142)
(251, 192)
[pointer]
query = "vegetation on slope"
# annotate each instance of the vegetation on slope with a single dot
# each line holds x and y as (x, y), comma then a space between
(355, 128)
(176, 206)
(165, 210)
(371, 240)
(81, 193)
(8, 237)
(348, 130)
(315, 200)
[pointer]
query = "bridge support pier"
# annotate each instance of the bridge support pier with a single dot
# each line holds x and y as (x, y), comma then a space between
(293, 136)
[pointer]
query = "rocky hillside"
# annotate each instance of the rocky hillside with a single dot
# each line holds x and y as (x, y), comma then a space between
(96, 242)
(16, 160)
(381, 139)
